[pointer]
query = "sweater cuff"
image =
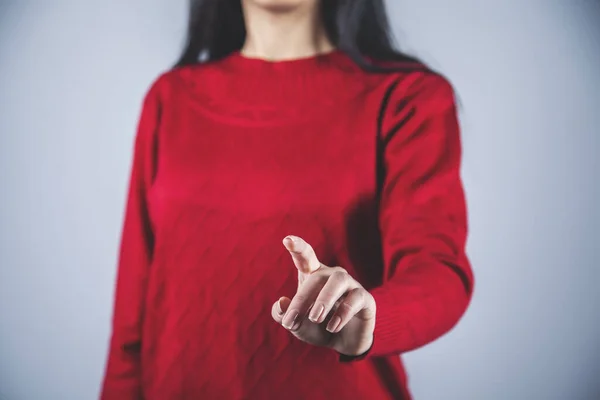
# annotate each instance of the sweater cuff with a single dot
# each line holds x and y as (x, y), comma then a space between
(392, 332)
(423, 307)
(124, 391)
(344, 358)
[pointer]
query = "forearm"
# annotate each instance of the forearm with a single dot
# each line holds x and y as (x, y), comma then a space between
(122, 379)
(417, 307)
(427, 278)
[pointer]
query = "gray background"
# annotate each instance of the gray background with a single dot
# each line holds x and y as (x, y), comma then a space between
(72, 76)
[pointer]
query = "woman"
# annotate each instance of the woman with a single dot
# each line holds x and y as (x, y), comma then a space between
(295, 218)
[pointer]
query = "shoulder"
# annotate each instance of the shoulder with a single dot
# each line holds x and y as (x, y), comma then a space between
(169, 83)
(414, 81)
(403, 84)
(414, 92)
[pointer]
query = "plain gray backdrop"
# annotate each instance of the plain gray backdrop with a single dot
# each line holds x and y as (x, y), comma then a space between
(72, 77)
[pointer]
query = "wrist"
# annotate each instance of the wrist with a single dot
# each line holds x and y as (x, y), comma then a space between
(355, 356)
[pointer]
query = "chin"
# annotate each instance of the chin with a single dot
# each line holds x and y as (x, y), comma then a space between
(282, 5)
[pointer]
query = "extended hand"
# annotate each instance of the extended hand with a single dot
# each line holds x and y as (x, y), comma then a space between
(330, 308)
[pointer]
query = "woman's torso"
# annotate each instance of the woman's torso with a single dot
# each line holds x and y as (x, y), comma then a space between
(248, 152)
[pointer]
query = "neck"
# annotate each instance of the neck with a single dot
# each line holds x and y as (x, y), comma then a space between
(279, 35)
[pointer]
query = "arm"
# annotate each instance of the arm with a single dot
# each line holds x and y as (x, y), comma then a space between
(428, 279)
(122, 375)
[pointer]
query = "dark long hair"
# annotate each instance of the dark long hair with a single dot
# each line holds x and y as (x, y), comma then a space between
(359, 28)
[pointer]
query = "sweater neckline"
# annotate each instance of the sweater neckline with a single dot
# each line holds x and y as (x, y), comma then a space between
(255, 91)
(298, 62)
(298, 67)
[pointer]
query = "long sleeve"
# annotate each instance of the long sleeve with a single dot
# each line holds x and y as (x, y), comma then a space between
(422, 217)
(122, 375)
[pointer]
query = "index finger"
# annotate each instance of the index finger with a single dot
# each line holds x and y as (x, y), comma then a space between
(303, 254)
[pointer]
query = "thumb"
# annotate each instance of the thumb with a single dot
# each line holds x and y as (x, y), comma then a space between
(283, 304)
(302, 253)
(279, 308)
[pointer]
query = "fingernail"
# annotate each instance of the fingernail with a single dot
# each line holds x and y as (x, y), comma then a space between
(292, 238)
(315, 313)
(334, 323)
(289, 319)
(296, 324)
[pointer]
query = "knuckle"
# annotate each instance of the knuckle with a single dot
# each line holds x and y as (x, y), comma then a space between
(359, 294)
(339, 275)
(345, 307)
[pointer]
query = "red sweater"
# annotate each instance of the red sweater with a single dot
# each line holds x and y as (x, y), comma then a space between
(232, 156)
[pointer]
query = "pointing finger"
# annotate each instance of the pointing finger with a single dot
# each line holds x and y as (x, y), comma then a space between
(302, 253)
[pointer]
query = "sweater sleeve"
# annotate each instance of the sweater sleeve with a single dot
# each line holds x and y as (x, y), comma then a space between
(122, 373)
(422, 218)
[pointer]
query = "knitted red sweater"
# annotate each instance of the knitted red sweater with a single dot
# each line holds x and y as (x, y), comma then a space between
(232, 156)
